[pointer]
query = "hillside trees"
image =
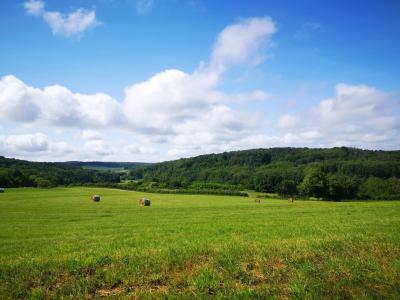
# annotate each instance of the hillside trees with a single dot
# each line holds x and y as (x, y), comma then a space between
(380, 189)
(342, 186)
(340, 170)
(287, 188)
(20, 173)
(314, 184)
(335, 174)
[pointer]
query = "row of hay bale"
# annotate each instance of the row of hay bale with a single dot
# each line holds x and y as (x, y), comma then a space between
(142, 202)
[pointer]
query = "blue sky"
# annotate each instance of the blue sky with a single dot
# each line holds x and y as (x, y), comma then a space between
(142, 80)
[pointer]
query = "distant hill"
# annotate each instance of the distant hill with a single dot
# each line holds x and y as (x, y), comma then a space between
(16, 173)
(202, 166)
(329, 173)
(271, 170)
(101, 165)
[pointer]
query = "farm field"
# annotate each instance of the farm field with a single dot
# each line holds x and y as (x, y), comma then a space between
(57, 243)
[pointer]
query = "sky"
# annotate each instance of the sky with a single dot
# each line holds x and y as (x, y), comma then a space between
(155, 80)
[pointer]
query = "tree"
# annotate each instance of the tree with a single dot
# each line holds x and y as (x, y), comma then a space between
(380, 189)
(42, 183)
(314, 184)
(287, 188)
(342, 187)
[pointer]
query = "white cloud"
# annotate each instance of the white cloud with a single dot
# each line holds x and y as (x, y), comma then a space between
(256, 95)
(154, 106)
(169, 97)
(17, 100)
(176, 113)
(60, 149)
(353, 101)
(287, 121)
(56, 106)
(72, 24)
(240, 42)
(34, 7)
(68, 25)
(358, 115)
(16, 144)
(174, 96)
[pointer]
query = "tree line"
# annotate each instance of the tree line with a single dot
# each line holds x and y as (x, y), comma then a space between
(21, 173)
(331, 174)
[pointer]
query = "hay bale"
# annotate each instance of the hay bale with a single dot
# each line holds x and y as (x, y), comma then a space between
(96, 198)
(144, 202)
(2, 190)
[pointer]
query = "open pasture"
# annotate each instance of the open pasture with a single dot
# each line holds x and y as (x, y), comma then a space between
(58, 243)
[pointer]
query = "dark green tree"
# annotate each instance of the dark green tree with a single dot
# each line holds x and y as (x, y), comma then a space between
(314, 184)
(287, 188)
(342, 187)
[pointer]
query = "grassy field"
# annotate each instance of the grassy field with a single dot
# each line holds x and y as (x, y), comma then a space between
(57, 243)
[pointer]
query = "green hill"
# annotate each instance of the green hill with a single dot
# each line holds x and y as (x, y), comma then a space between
(334, 173)
(22, 173)
(105, 165)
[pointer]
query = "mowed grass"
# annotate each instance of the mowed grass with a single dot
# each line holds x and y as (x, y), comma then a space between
(56, 243)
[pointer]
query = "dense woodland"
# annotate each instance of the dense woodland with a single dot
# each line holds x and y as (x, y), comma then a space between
(331, 174)
(21, 173)
(105, 165)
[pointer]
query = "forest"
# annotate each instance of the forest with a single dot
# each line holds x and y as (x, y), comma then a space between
(21, 173)
(328, 173)
(332, 174)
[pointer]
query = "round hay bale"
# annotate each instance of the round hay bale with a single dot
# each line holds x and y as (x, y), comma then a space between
(96, 198)
(2, 190)
(144, 202)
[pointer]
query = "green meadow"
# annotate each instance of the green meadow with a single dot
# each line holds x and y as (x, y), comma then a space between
(57, 243)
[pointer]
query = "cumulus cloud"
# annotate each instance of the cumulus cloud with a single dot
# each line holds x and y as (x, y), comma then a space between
(34, 7)
(219, 125)
(358, 115)
(17, 100)
(169, 97)
(176, 113)
(240, 42)
(68, 25)
(72, 24)
(256, 95)
(16, 144)
(174, 96)
(153, 106)
(56, 106)
(287, 121)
